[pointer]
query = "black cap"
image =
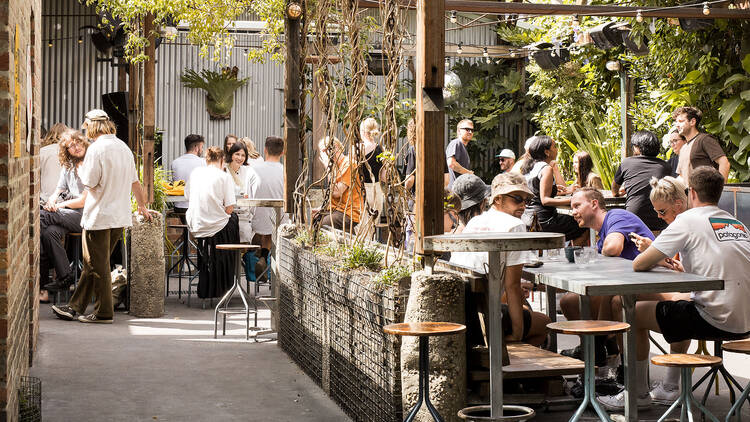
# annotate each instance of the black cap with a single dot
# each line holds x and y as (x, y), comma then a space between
(471, 189)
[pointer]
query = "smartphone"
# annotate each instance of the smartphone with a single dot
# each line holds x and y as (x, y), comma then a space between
(633, 237)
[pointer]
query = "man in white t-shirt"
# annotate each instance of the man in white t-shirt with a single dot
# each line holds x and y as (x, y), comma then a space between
(109, 175)
(508, 198)
(271, 186)
(183, 165)
(712, 243)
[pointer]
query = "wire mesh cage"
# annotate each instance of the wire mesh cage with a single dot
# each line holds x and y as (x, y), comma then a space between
(30, 399)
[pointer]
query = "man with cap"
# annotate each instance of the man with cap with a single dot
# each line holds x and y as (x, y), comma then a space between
(507, 158)
(109, 175)
(509, 194)
(473, 193)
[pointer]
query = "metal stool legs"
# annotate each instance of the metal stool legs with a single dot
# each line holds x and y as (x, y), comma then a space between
(589, 396)
(184, 260)
(713, 375)
(424, 382)
(687, 400)
(738, 404)
(236, 286)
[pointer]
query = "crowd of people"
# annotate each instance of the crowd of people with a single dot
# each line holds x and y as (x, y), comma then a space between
(671, 218)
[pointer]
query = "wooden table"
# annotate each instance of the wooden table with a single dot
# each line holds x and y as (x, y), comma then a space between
(496, 245)
(615, 276)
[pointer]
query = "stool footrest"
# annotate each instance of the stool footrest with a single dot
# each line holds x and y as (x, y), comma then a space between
(235, 311)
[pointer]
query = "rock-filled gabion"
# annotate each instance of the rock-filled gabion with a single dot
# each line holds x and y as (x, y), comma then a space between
(146, 270)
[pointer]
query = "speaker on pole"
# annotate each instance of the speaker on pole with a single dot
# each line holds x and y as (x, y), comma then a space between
(116, 106)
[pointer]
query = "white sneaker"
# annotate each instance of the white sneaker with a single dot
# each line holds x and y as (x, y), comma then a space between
(665, 393)
(616, 403)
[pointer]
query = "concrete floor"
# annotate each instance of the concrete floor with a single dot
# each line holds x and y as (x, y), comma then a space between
(170, 369)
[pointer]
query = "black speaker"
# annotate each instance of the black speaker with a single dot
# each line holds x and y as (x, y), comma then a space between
(605, 36)
(547, 57)
(695, 25)
(116, 106)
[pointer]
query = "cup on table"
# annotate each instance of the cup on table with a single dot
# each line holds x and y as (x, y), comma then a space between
(582, 256)
(554, 255)
(570, 253)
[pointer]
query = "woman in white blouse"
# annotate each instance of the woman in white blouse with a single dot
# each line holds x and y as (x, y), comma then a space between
(246, 182)
(211, 221)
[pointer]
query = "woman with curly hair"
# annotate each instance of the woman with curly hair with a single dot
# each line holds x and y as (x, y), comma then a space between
(62, 212)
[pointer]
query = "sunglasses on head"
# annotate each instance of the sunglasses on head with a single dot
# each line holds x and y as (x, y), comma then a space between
(518, 199)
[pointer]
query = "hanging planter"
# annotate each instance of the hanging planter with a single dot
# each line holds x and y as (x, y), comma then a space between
(219, 87)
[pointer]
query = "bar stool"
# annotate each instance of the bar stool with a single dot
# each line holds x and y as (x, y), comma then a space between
(184, 260)
(718, 370)
(740, 346)
(686, 363)
(424, 330)
(587, 330)
(223, 306)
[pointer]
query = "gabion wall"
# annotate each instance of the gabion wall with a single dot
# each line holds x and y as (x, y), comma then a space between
(331, 324)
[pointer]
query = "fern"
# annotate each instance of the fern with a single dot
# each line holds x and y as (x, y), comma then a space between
(219, 87)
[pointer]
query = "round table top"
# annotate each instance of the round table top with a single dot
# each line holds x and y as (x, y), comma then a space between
(424, 329)
(588, 327)
(682, 360)
(237, 247)
(739, 346)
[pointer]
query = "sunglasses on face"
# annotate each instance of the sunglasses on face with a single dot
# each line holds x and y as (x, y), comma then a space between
(468, 129)
(661, 212)
(518, 199)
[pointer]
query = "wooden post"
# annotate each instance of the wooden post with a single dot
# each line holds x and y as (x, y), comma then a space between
(627, 91)
(319, 127)
(149, 109)
(430, 119)
(291, 103)
(122, 78)
(133, 106)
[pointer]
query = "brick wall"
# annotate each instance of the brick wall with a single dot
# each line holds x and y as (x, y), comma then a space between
(19, 221)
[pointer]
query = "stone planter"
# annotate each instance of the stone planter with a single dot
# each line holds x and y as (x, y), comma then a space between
(331, 325)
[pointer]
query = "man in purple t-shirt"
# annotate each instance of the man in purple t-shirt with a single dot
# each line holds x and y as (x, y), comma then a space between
(614, 228)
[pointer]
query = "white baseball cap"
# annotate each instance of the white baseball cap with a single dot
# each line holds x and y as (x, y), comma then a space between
(506, 153)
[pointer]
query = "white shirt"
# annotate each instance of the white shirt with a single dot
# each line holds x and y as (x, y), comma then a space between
(209, 192)
(182, 167)
(712, 243)
(253, 162)
(249, 181)
(271, 187)
(496, 221)
(49, 169)
(108, 171)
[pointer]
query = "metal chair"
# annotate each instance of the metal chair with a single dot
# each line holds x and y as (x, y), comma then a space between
(223, 306)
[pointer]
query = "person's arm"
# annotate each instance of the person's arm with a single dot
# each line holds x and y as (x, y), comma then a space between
(456, 167)
(52, 200)
(648, 259)
(615, 189)
(140, 199)
(723, 163)
(229, 209)
(409, 182)
(642, 243)
(613, 244)
(559, 179)
(546, 183)
(596, 182)
(75, 203)
(338, 190)
(514, 294)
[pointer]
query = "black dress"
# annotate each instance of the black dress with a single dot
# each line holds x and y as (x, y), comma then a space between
(549, 219)
(375, 165)
(215, 267)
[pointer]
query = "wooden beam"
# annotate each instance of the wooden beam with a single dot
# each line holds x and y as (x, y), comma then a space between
(133, 107)
(451, 50)
(149, 107)
(430, 119)
(474, 6)
(292, 105)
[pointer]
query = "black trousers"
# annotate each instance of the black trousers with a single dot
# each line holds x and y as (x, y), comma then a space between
(216, 268)
(54, 227)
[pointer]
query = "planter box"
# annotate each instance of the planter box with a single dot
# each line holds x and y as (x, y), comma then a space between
(331, 324)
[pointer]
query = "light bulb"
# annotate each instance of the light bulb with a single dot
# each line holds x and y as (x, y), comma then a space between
(460, 50)
(485, 53)
(639, 16)
(245, 51)
(294, 10)
(706, 9)
(489, 60)
(447, 63)
(512, 54)
(80, 39)
(49, 43)
(454, 16)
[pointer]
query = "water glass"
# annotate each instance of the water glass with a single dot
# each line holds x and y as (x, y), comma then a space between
(582, 257)
(554, 255)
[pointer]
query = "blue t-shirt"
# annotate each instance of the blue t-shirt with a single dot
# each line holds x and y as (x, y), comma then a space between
(625, 222)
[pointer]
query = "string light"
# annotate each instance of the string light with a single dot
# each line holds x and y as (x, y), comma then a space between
(485, 53)
(489, 60)
(513, 54)
(454, 16)
(49, 43)
(639, 16)
(447, 63)
(80, 39)
(460, 50)
(245, 51)
(706, 9)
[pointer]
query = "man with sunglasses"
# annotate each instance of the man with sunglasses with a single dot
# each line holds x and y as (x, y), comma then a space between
(509, 195)
(507, 158)
(456, 155)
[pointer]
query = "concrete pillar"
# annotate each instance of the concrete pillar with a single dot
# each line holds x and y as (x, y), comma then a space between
(146, 271)
(439, 298)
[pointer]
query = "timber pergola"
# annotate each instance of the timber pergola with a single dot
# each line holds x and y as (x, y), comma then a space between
(430, 109)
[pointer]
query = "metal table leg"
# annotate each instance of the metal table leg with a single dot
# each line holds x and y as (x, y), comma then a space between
(629, 339)
(496, 276)
(551, 294)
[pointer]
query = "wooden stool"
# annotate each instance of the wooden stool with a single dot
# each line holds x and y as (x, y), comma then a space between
(686, 363)
(713, 374)
(587, 330)
(424, 330)
(239, 249)
(740, 346)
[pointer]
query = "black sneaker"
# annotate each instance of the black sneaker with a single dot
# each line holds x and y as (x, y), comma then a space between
(575, 353)
(64, 312)
(93, 319)
(600, 353)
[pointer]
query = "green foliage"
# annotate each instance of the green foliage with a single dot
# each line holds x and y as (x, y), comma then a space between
(305, 238)
(491, 96)
(219, 87)
(591, 135)
(388, 277)
(160, 194)
(359, 255)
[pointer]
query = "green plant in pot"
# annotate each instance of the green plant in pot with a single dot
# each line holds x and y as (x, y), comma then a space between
(219, 87)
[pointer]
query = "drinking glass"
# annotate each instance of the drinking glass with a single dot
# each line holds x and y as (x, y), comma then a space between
(553, 255)
(582, 257)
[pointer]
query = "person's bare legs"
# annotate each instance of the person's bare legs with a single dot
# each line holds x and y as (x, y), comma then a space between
(538, 330)
(570, 306)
